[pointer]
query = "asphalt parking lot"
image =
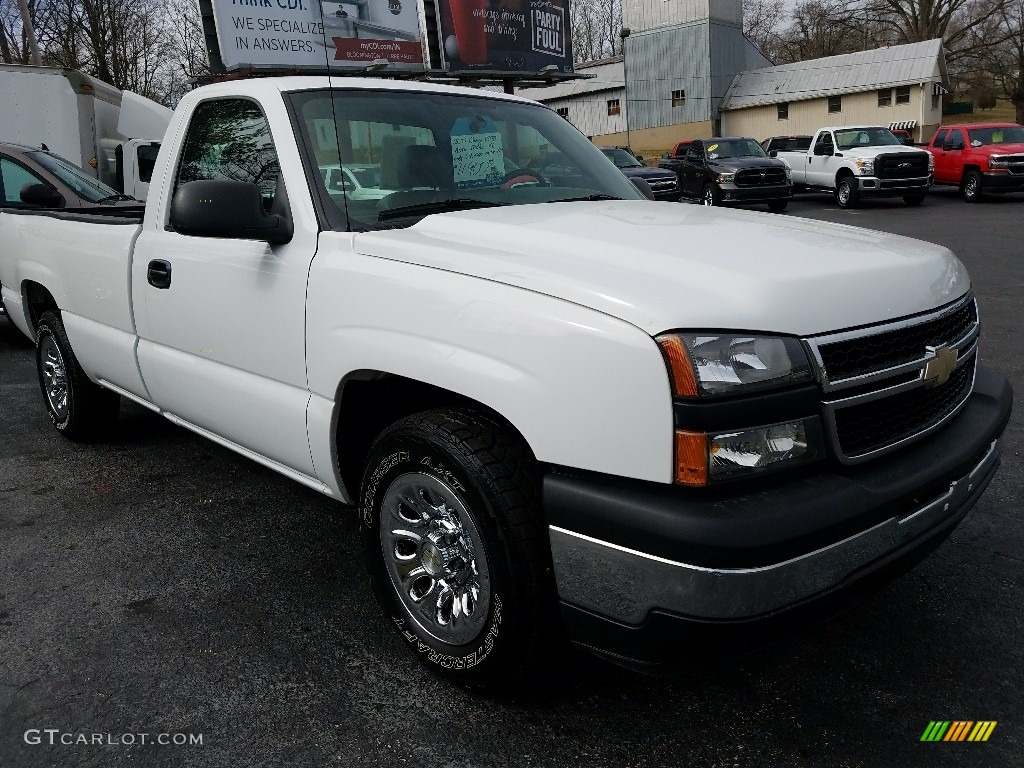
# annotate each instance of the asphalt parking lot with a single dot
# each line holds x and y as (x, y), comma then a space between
(158, 584)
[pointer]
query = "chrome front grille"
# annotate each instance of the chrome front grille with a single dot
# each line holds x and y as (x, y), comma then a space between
(890, 384)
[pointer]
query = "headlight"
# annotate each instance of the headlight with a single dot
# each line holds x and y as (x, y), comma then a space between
(931, 163)
(865, 167)
(705, 458)
(997, 161)
(789, 173)
(726, 178)
(705, 364)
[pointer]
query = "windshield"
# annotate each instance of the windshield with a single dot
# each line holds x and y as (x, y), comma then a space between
(1003, 134)
(412, 153)
(622, 158)
(722, 149)
(85, 186)
(852, 138)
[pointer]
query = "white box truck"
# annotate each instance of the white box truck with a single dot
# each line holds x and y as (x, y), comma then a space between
(113, 135)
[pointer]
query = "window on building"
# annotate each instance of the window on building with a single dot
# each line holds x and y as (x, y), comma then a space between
(613, 106)
(563, 112)
(935, 101)
(903, 94)
(885, 97)
(678, 98)
(784, 110)
(835, 103)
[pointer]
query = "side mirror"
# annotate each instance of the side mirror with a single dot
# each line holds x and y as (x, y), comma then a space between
(41, 195)
(227, 209)
(639, 157)
(643, 186)
(773, 153)
(822, 151)
(949, 147)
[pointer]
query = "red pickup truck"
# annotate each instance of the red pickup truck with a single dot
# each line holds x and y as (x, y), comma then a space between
(980, 158)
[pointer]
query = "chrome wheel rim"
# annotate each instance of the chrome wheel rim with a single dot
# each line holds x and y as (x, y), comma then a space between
(971, 187)
(709, 196)
(435, 559)
(54, 377)
(844, 193)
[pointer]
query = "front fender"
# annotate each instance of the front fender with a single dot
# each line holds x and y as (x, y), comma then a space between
(586, 390)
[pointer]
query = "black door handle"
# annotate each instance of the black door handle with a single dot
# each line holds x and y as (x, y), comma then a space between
(159, 273)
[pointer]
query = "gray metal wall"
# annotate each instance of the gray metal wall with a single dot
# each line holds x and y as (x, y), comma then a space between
(731, 53)
(663, 61)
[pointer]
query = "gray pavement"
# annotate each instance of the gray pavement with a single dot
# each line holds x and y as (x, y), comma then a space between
(158, 584)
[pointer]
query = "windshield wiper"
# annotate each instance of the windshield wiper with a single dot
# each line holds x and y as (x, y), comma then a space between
(114, 199)
(585, 198)
(436, 206)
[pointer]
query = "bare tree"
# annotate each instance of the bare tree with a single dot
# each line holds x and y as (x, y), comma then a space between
(762, 23)
(955, 21)
(1003, 61)
(595, 29)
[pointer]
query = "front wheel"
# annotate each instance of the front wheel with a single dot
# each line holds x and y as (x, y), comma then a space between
(711, 195)
(456, 546)
(913, 200)
(78, 408)
(846, 192)
(970, 189)
(778, 206)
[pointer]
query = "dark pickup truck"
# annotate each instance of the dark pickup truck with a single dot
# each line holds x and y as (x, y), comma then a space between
(721, 171)
(664, 184)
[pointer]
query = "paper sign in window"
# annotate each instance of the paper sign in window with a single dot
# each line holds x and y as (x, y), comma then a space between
(477, 158)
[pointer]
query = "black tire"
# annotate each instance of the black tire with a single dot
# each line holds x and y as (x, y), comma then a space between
(971, 189)
(913, 200)
(78, 408)
(450, 515)
(847, 194)
(778, 206)
(711, 195)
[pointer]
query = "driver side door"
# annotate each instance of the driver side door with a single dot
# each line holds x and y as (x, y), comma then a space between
(820, 161)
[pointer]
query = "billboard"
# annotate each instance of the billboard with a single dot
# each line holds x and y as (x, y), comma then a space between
(345, 34)
(505, 35)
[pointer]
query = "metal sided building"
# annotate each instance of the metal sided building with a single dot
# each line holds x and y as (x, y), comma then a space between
(679, 59)
(899, 87)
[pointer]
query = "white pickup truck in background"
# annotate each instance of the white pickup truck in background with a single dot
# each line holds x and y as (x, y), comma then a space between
(856, 162)
(562, 410)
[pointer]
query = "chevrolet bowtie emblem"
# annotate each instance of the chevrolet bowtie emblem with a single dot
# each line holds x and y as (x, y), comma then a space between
(939, 368)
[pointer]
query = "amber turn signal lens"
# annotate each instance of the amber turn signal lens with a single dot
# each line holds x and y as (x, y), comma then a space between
(683, 381)
(691, 458)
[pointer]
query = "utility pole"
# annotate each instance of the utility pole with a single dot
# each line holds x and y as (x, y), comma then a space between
(30, 32)
(623, 34)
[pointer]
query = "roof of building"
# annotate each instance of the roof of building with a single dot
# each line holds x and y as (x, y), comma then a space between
(607, 73)
(833, 75)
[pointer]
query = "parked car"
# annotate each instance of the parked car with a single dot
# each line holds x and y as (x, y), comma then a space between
(786, 143)
(662, 183)
(728, 170)
(861, 161)
(674, 159)
(559, 409)
(32, 178)
(904, 136)
(357, 181)
(980, 158)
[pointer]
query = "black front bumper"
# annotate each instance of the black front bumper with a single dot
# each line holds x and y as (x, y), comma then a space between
(1002, 182)
(733, 194)
(643, 568)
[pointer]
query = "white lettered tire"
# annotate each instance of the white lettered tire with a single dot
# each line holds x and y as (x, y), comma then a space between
(456, 546)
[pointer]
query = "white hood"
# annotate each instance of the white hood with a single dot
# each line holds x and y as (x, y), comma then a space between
(662, 266)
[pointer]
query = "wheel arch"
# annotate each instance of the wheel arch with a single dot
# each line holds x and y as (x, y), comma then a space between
(368, 401)
(37, 299)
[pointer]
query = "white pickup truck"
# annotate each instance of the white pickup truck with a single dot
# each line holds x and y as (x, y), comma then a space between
(562, 410)
(861, 161)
